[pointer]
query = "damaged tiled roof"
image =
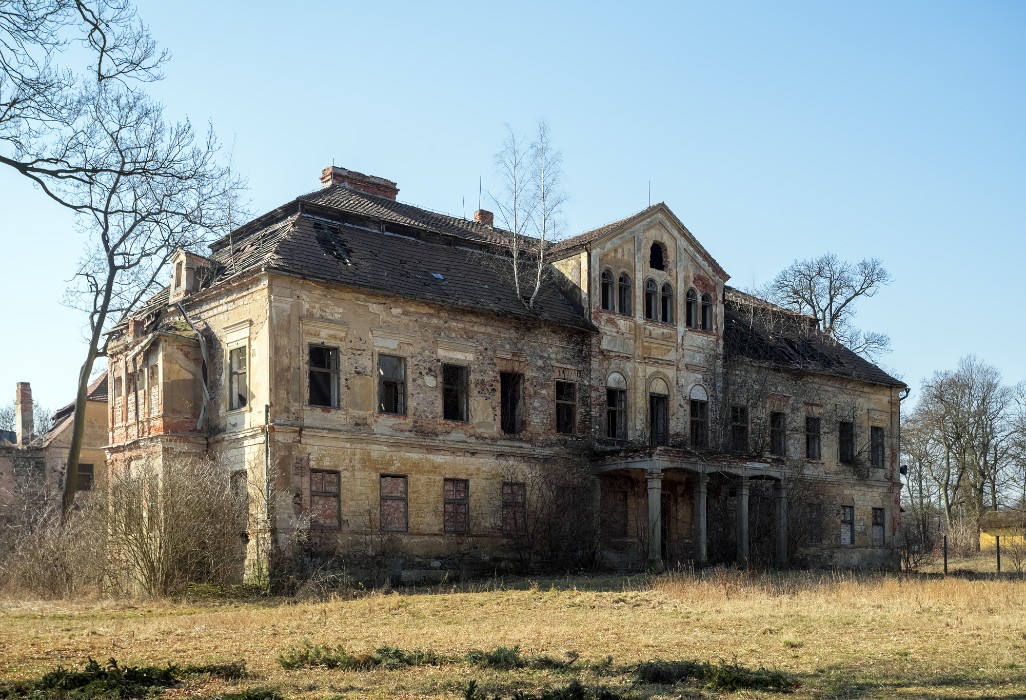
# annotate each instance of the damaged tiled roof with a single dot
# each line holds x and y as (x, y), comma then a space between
(759, 330)
(595, 234)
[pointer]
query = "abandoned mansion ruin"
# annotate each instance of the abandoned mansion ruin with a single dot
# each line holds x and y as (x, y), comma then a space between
(377, 386)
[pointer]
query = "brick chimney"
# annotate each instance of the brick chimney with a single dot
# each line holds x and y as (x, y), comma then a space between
(483, 216)
(23, 413)
(371, 184)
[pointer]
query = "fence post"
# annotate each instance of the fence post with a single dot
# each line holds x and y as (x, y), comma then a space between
(945, 555)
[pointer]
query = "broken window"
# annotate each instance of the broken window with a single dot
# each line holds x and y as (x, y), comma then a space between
(659, 419)
(456, 505)
(691, 309)
(179, 269)
(846, 442)
(84, 477)
(117, 387)
(707, 313)
(393, 506)
(657, 257)
(614, 513)
(667, 304)
(876, 447)
(607, 290)
(566, 407)
(511, 398)
(778, 434)
(812, 438)
(739, 428)
(878, 527)
(651, 300)
(391, 385)
(454, 392)
(514, 508)
(323, 376)
(848, 525)
(238, 388)
(624, 299)
(325, 499)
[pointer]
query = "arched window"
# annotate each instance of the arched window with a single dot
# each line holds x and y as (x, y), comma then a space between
(667, 306)
(659, 412)
(651, 300)
(707, 313)
(657, 256)
(691, 308)
(626, 303)
(699, 410)
(616, 407)
(607, 290)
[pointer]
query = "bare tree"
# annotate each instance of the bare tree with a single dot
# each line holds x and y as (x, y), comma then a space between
(94, 142)
(828, 289)
(530, 206)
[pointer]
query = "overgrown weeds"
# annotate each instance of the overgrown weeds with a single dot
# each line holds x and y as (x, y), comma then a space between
(114, 682)
(309, 655)
(718, 676)
(574, 690)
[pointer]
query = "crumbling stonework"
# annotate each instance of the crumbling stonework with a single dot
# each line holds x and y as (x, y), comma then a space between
(368, 374)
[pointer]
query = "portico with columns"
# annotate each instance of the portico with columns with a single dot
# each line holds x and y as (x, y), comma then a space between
(672, 480)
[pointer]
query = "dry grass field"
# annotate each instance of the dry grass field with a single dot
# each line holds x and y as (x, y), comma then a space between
(835, 635)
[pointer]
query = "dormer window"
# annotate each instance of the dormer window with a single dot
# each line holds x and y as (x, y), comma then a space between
(191, 271)
(657, 256)
(179, 273)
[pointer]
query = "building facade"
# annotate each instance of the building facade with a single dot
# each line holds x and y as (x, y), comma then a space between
(377, 385)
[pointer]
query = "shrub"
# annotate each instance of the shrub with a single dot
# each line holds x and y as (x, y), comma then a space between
(309, 655)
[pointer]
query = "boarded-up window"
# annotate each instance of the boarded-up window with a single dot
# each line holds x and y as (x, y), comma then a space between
(878, 527)
(614, 513)
(876, 447)
(456, 505)
(325, 501)
(848, 525)
(394, 511)
(514, 508)
(812, 438)
(566, 407)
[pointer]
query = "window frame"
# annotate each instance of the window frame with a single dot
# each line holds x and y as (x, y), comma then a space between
(624, 295)
(691, 308)
(813, 438)
(698, 418)
(778, 434)
(85, 484)
(566, 407)
(514, 508)
(651, 300)
(516, 419)
(666, 304)
(616, 414)
(848, 526)
(336, 496)
(607, 292)
(708, 322)
(658, 426)
(451, 506)
(846, 442)
(877, 447)
(404, 498)
(461, 389)
(879, 521)
(739, 443)
(237, 377)
(332, 373)
(390, 382)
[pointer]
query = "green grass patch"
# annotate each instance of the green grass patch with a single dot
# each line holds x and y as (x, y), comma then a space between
(113, 682)
(718, 676)
(309, 655)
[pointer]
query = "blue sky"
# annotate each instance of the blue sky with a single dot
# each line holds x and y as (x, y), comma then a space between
(775, 131)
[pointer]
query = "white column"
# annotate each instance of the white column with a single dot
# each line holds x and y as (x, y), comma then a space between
(701, 525)
(780, 496)
(742, 522)
(655, 517)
